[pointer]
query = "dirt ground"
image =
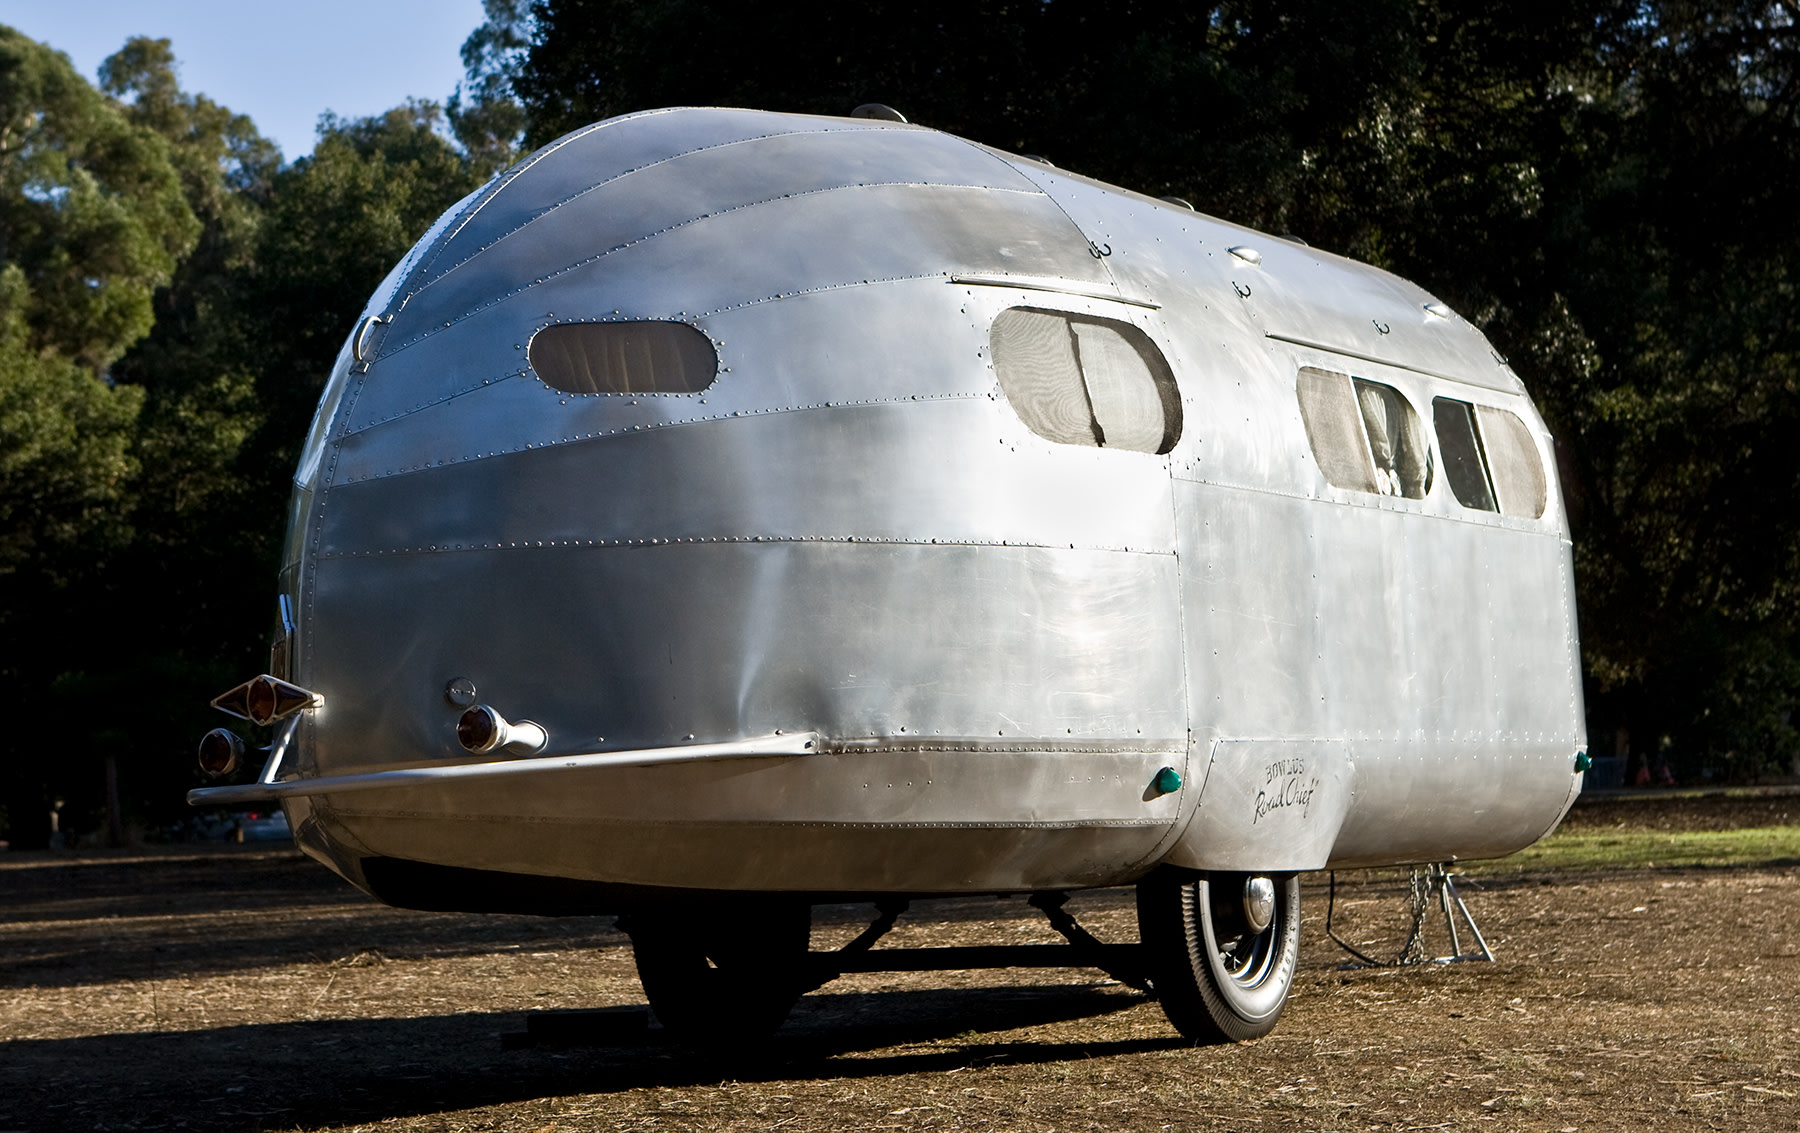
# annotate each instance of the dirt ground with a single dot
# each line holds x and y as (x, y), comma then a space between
(238, 989)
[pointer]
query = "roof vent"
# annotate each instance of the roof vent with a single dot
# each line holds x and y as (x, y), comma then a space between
(1438, 309)
(1248, 254)
(878, 110)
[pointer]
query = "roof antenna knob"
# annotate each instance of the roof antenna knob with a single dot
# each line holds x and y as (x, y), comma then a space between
(878, 110)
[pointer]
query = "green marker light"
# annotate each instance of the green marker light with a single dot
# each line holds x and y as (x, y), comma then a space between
(1167, 781)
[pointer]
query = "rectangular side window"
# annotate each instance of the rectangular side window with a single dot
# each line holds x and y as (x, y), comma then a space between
(1365, 435)
(1396, 440)
(1513, 462)
(1463, 466)
(1334, 430)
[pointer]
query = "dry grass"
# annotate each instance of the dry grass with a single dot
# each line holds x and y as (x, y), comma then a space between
(252, 991)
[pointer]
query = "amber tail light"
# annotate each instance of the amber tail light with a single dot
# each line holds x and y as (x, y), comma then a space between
(221, 753)
(266, 699)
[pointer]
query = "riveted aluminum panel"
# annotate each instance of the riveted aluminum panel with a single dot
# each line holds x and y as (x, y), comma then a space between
(908, 472)
(648, 645)
(917, 837)
(791, 857)
(1340, 620)
(1484, 800)
(1426, 646)
(600, 227)
(1153, 249)
(686, 188)
(754, 255)
(570, 168)
(896, 342)
(945, 784)
(1303, 295)
(1269, 805)
(1297, 293)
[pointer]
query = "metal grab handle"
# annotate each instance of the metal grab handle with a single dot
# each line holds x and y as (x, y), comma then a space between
(362, 332)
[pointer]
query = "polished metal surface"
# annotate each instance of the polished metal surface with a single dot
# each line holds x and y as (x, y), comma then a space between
(806, 743)
(1259, 902)
(1001, 643)
(481, 730)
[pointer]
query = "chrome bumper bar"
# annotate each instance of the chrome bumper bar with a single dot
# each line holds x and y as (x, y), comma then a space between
(799, 743)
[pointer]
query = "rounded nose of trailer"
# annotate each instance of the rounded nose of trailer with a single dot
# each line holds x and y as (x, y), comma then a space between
(686, 426)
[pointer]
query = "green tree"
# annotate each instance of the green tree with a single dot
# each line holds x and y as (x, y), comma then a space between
(1679, 258)
(484, 113)
(337, 221)
(92, 222)
(245, 336)
(192, 582)
(91, 209)
(152, 409)
(194, 366)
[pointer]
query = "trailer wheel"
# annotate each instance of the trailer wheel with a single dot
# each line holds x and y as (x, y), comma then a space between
(1220, 949)
(721, 972)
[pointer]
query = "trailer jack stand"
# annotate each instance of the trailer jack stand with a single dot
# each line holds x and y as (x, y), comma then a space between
(1432, 884)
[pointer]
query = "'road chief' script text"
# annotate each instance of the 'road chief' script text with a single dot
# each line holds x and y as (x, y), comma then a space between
(1284, 785)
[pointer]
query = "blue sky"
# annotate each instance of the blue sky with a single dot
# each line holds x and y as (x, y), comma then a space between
(282, 64)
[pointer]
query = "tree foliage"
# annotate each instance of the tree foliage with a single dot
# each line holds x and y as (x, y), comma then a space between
(91, 210)
(159, 454)
(337, 221)
(484, 112)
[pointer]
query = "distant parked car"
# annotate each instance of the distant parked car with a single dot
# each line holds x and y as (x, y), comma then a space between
(264, 828)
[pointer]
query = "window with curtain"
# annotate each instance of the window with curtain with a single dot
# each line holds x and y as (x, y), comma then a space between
(630, 357)
(1365, 435)
(1079, 380)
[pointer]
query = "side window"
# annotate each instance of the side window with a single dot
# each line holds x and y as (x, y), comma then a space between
(1078, 380)
(1397, 441)
(1365, 435)
(1463, 466)
(1513, 463)
(634, 357)
(1490, 459)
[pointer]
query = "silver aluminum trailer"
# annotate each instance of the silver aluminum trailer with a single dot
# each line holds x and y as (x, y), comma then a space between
(722, 511)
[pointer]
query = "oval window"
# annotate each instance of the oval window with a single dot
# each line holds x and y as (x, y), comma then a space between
(636, 357)
(1079, 380)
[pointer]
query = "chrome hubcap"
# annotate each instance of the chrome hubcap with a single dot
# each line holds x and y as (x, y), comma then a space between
(1259, 902)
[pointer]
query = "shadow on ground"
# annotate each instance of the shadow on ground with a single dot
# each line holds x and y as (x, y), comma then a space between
(333, 1072)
